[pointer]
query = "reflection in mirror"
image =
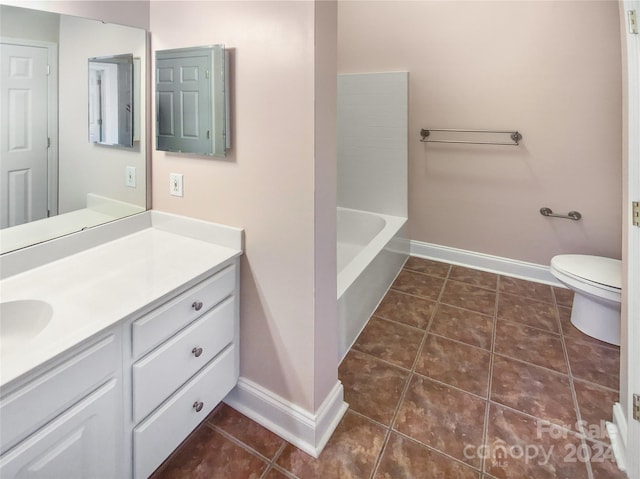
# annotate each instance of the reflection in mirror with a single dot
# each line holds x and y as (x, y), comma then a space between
(52, 180)
(111, 100)
(192, 100)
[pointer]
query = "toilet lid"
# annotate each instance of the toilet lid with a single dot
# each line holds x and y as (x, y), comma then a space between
(597, 269)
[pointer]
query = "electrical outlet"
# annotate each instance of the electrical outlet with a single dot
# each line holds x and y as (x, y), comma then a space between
(130, 176)
(175, 184)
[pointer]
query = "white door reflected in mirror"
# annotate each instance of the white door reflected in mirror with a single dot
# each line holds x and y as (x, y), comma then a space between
(111, 100)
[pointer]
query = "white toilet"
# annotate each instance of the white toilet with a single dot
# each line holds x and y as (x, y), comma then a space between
(596, 282)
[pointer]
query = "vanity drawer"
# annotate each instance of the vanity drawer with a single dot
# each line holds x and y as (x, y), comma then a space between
(156, 437)
(160, 324)
(167, 367)
(51, 393)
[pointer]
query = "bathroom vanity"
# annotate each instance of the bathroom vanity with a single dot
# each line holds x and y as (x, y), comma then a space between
(123, 347)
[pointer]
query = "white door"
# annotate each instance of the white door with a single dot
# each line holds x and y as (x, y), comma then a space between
(23, 134)
(633, 245)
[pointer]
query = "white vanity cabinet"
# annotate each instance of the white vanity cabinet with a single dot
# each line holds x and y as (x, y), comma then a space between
(66, 421)
(185, 361)
(141, 344)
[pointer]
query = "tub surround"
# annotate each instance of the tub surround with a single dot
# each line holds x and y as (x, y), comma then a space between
(372, 194)
(373, 148)
(94, 289)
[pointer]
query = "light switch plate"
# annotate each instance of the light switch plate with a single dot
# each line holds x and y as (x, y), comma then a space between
(175, 184)
(130, 176)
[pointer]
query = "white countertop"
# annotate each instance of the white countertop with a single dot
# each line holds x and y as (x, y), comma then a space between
(94, 289)
(99, 210)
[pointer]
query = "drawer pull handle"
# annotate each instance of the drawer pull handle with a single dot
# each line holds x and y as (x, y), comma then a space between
(197, 352)
(197, 305)
(198, 406)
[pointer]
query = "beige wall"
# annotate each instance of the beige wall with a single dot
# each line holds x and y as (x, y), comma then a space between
(549, 69)
(134, 13)
(29, 24)
(326, 314)
(271, 183)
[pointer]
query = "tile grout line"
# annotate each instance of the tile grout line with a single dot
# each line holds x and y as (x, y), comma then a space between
(270, 463)
(485, 426)
(274, 466)
(239, 443)
(523, 325)
(574, 394)
(409, 378)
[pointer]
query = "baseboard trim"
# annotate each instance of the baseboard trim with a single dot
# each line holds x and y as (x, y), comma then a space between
(617, 432)
(307, 431)
(485, 262)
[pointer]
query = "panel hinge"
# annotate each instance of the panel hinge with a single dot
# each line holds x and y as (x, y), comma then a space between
(635, 213)
(636, 407)
(48, 142)
(633, 22)
(208, 134)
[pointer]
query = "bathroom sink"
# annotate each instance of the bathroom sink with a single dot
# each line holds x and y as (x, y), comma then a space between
(22, 320)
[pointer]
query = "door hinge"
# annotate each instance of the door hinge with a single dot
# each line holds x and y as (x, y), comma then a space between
(48, 69)
(206, 74)
(636, 407)
(48, 142)
(633, 22)
(208, 134)
(635, 213)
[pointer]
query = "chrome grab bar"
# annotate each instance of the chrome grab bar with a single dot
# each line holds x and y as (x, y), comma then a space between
(514, 135)
(572, 215)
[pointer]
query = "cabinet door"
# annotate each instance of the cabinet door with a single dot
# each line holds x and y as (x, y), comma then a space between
(83, 442)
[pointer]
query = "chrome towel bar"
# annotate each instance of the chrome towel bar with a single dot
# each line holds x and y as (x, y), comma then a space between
(514, 135)
(572, 215)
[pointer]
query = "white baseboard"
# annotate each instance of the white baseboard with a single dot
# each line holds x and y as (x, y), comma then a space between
(618, 435)
(485, 262)
(307, 431)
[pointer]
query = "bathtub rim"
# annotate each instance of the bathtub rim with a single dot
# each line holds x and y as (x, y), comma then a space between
(351, 272)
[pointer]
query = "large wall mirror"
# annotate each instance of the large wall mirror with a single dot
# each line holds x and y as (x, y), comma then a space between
(54, 179)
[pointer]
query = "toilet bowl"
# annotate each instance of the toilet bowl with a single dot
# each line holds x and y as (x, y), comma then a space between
(596, 282)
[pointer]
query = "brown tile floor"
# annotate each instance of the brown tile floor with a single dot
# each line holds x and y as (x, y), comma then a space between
(459, 374)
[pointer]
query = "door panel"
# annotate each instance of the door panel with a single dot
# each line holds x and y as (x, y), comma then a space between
(83, 442)
(23, 134)
(183, 86)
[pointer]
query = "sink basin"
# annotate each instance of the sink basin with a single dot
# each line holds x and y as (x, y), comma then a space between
(22, 320)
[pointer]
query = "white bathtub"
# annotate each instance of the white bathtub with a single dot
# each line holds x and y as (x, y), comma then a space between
(372, 248)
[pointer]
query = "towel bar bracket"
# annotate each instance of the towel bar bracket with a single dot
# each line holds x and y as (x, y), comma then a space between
(572, 215)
